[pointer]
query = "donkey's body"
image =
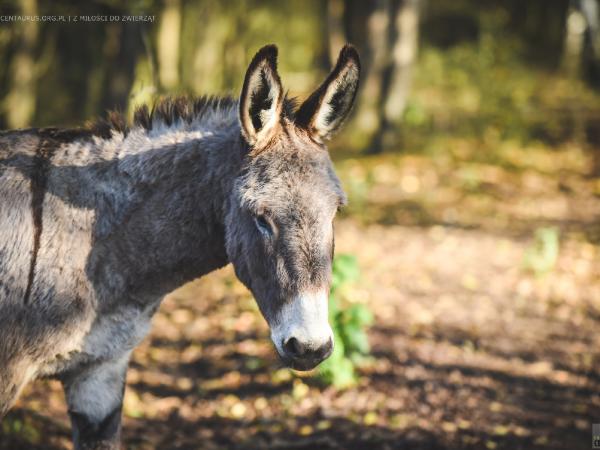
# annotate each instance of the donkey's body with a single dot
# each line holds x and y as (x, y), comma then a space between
(96, 231)
(97, 226)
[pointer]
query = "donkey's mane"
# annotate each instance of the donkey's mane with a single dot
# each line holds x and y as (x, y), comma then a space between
(166, 110)
(169, 110)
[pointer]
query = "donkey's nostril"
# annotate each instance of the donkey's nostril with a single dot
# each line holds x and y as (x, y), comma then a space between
(304, 355)
(294, 347)
(326, 349)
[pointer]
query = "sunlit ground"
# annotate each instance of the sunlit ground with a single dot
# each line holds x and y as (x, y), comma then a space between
(482, 338)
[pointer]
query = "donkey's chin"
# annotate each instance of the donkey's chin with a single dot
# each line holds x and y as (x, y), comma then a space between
(303, 366)
(300, 364)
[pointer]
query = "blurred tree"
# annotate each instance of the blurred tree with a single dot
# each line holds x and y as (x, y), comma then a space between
(591, 40)
(20, 100)
(540, 25)
(122, 48)
(168, 44)
(582, 60)
(389, 54)
(402, 37)
(335, 28)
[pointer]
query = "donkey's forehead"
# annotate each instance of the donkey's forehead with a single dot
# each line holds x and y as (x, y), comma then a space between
(287, 172)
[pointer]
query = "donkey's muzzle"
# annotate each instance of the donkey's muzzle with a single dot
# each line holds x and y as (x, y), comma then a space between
(305, 355)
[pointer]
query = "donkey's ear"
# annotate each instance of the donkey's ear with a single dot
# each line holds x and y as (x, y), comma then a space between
(327, 108)
(261, 98)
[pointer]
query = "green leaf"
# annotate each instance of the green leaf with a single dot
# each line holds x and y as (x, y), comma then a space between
(334, 309)
(345, 269)
(349, 323)
(360, 315)
(341, 374)
(542, 255)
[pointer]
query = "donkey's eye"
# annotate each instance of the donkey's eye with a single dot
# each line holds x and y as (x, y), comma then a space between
(263, 225)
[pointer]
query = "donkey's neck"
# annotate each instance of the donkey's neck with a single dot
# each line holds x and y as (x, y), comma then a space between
(178, 181)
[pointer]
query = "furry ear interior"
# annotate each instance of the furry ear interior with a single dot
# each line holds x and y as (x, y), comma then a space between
(325, 110)
(261, 98)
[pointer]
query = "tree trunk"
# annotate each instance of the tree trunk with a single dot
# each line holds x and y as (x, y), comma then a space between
(582, 59)
(370, 107)
(395, 42)
(168, 45)
(591, 48)
(20, 100)
(122, 48)
(335, 28)
(404, 53)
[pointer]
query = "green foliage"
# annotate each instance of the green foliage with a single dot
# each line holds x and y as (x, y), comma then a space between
(345, 270)
(350, 323)
(415, 114)
(24, 429)
(489, 87)
(540, 258)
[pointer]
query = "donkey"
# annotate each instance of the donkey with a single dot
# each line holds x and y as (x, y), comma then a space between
(98, 224)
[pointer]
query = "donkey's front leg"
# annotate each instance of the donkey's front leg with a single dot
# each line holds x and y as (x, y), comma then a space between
(95, 399)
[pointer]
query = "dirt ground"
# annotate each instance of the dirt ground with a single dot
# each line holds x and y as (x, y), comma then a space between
(471, 350)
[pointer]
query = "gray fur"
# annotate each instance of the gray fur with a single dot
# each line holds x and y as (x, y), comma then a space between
(124, 216)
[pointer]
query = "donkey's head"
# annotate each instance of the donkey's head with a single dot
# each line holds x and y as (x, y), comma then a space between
(280, 219)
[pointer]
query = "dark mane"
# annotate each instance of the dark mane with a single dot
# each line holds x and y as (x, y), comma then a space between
(172, 109)
(169, 110)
